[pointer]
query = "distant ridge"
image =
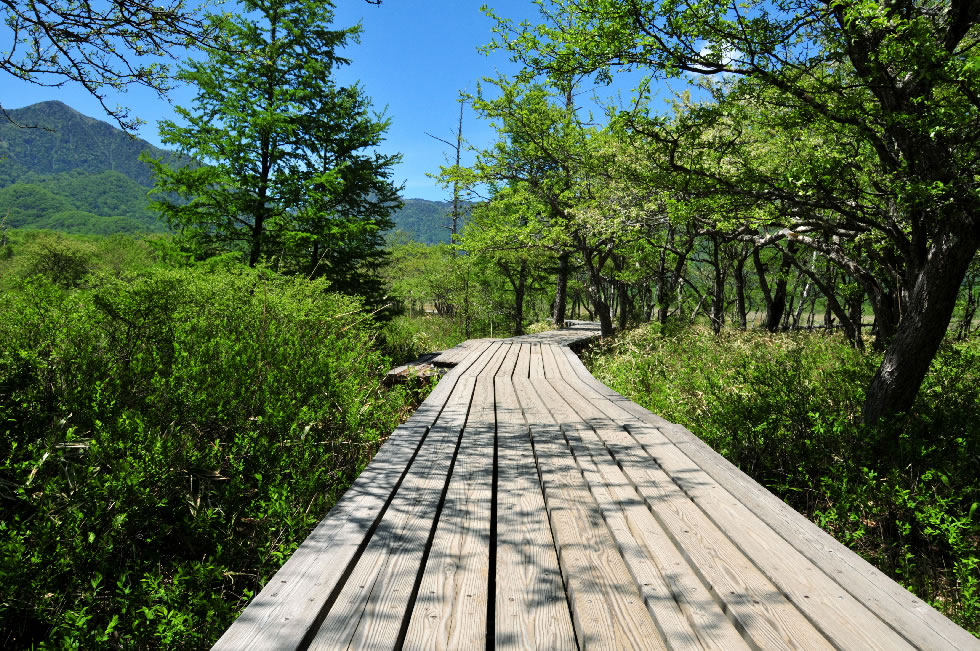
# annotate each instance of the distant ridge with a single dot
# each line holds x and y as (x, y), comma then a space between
(75, 173)
(66, 140)
(426, 221)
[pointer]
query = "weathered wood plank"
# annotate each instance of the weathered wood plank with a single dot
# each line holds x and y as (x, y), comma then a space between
(663, 601)
(450, 611)
(510, 362)
(523, 367)
(912, 618)
(607, 609)
(537, 362)
(763, 612)
(843, 619)
(531, 608)
(287, 610)
(372, 604)
(757, 606)
(548, 362)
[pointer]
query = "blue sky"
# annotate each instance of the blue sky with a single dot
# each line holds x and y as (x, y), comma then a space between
(413, 59)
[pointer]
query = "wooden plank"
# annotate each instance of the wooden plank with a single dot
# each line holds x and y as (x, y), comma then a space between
(548, 363)
(843, 619)
(372, 604)
(290, 605)
(607, 609)
(531, 608)
(901, 610)
(450, 611)
(911, 617)
(576, 333)
(523, 367)
(657, 566)
(537, 365)
(672, 593)
(758, 607)
(510, 362)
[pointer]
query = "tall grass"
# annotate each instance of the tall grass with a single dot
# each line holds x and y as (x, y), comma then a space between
(785, 408)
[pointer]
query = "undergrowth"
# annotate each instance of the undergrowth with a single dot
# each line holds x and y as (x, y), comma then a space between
(167, 438)
(407, 337)
(786, 410)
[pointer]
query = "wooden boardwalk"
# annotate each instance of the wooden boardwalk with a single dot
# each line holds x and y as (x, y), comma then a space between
(526, 505)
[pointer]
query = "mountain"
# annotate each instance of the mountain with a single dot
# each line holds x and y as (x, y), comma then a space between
(425, 221)
(60, 139)
(66, 171)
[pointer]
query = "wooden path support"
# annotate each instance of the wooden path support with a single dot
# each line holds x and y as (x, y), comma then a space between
(526, 505)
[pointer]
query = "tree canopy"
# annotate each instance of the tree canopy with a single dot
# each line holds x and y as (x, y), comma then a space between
(289, 172)
(847, 128)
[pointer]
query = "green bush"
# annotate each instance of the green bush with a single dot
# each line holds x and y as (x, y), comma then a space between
(407, 337)
(168, 438)
(786, 409)
(68, 260)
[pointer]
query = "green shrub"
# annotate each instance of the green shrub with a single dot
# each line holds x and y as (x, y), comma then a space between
(67, 260)
(168, 438)
(407, 337)
(786, 409)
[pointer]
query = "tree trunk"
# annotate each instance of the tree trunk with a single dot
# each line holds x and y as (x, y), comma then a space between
(969, 310)
(923, 326)
(625, 306)
(855, 306)
(597, 299)
(775, 314)
(561, 290)
(887, 317)
(315, 257)
(519, 289)
(718, 289)
(742, 312)
(775, 300)
(803, 299)
(833, 305)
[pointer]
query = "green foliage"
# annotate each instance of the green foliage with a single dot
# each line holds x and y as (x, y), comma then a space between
(26, 203)
(786, 409)
(408, 337)
(425, 221)
(67, 260)
(292, 172)
(167, 438)
(82, 222)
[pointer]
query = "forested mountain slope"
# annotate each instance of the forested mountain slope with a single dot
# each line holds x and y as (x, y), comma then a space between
(57, 138)
(65, 171)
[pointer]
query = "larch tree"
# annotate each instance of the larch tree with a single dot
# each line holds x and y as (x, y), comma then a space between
(288, 168)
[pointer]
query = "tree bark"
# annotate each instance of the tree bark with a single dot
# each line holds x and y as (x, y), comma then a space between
(718, 288)
(625, 306)
(923, 325)
(775, 300)
(561, 290)
(743, 319)
(597, 299)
